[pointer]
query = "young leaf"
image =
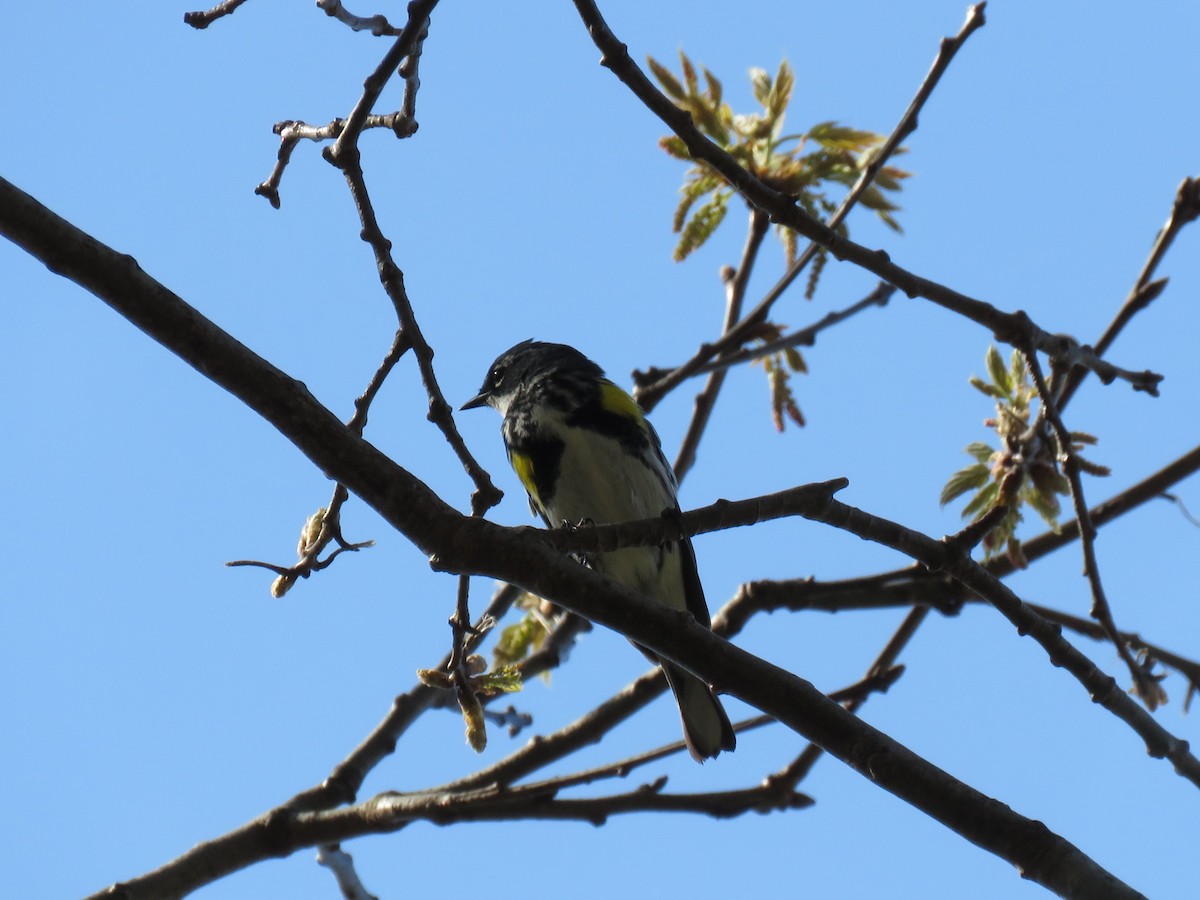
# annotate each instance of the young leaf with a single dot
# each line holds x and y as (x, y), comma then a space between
(670, 84)
(1015, 553)
(502, 680)
(1016, 365)
(714, 86)
(691, 192)
(964, 480)
(980, 385)
(1092, 468)
(517, 641)
(998, 373)
(781, 91)
(795, 360)
(982, 501)
(761, 83)
(815, 269)
(701, 225)
(675, 147)
(689, 75)
(788, 238)
(1045, 505)
(981, 451)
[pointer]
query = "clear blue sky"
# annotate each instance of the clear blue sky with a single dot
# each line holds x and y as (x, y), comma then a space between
(154, 699)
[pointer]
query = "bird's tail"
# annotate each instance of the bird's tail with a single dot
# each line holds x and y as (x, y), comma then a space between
(706, 728)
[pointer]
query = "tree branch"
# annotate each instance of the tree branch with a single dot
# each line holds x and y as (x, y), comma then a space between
(1184, 210)
(470, 545)
(199, 20)
(1011, 328)
(907, 125)
(1145, 684)
(735, 292)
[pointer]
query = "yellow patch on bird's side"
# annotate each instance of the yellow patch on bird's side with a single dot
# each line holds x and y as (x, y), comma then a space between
(523, 466)
(617, 401)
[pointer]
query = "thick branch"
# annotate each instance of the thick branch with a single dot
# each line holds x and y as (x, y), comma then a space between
(462, 544)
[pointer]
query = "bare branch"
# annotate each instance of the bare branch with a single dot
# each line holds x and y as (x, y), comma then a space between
(1184, 210)
(466, 544)
(735, 291)
(320, 530)
(1102, 688)
(883, 666)
(199, 20)
(341, 864)
(378, 25)
(916, 585)
(1145, 684)
(804, 337)
(291, 132)
(408, 42)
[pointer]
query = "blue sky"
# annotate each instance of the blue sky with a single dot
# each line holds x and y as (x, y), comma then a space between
(155, 699)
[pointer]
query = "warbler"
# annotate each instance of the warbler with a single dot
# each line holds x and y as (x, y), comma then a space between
(585, 453)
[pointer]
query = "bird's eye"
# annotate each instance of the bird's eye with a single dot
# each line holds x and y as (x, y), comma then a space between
(495, 377)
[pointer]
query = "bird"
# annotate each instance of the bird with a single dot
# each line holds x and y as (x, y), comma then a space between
(585, 453)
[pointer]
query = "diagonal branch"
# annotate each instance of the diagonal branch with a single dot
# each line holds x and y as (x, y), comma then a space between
(736, 335)
(344, 155)
(1145, 684)
(1011, 328)
(1184, 210)
(947, 50)
(803, 337)
(471, 545)
(203, 19)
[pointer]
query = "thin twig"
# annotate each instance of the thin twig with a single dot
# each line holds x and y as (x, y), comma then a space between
(804, 337)
(328, 520)
(320, 530)
(944, 556)
(1145, 684)
(410, 70)
(203, 19)
(916, 585)
(400, 346)
(405, 53)
(947, 50)
(1184, 210)
(341, 864)
(798, 769)
(486, 494)
(378, 25)
(410, 38)
(806, 500)
(460, 625)
(291, 132)
(885, 663)
(735, 292)
(345, 156)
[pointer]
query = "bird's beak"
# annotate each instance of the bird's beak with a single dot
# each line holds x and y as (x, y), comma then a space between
(475, 402)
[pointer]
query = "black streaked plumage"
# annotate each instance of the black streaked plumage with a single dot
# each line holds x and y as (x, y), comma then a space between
(583, 451)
